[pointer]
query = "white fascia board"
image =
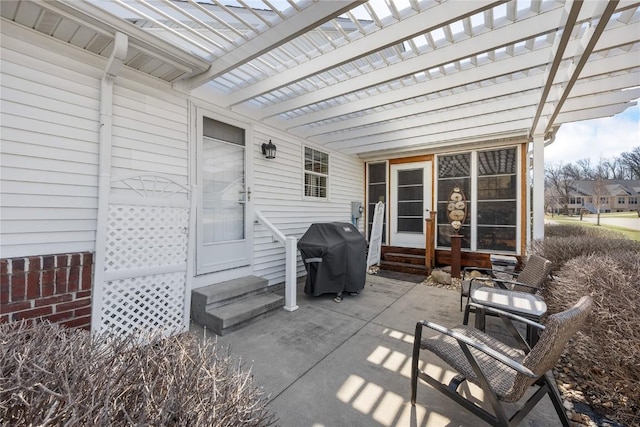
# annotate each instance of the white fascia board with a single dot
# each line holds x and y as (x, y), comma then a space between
(87, 12)
(611, 64)
(462, 99)
(491, 131)
(593, 113)
(509, 34)
(600, 99)
(308, 18)
(403, 30)
(588, 86)
(466, 114)
(392, 133)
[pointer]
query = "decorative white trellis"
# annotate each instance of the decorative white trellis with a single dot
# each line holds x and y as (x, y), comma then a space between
(142, 278)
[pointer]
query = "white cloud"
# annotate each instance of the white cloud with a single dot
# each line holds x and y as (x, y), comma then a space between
(592, 139)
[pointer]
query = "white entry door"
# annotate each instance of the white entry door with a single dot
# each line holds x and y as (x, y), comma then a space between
(410, 199)
(223, 233)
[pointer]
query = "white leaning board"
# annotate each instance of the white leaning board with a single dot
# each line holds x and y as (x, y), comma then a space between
(375, 240)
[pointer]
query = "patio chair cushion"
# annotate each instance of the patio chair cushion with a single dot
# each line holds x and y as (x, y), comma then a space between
(500, 377)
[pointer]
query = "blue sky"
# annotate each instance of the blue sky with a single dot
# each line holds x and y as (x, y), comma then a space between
(592, 139)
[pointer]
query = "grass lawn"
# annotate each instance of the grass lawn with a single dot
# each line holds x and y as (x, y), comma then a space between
(575, 220)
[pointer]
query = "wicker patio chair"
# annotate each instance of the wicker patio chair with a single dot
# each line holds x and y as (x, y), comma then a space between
(503, 372)
(530, 279)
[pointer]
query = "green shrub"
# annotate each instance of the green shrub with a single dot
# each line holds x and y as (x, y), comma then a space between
(57, 376)
(604, 356)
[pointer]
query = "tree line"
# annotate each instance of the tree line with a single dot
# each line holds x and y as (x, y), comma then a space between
(560, 178)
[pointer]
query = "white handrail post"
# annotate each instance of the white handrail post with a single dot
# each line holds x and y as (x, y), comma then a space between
(290, 283)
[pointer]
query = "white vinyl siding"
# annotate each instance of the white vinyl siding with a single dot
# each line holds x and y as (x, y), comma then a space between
(278, 194)
(49, 151)
(50, 122)
(150, 133)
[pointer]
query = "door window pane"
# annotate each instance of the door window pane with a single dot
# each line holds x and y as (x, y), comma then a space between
(223, 208)
(410, 225)
(410, 200)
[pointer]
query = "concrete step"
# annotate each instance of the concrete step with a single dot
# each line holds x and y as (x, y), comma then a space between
(240, 312)
(229, 305)
(224, 293)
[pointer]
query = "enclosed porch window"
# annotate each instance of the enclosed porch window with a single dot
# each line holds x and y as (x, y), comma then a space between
(489, 180)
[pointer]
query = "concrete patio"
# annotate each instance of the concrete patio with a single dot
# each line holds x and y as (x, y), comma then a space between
(348, 364)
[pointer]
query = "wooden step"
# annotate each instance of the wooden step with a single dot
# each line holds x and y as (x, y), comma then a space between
(404, 267)
(404, 258)
(401, 250)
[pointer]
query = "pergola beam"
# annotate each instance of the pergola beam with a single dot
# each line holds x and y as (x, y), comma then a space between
(377, 41)
(301, 22)
(361, 126)
(582, 60)
(474, 122)
(516, 128)
(462, 99)
(557, 55)
(508, 66)
(527, 28)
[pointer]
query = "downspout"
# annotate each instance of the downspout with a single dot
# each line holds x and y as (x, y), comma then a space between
(115, 62)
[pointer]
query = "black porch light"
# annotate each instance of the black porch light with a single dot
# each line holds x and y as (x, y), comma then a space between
(269, 150)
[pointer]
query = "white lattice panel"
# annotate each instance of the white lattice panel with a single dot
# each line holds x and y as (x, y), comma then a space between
(147, 303)
(143, 274)
(145, 236)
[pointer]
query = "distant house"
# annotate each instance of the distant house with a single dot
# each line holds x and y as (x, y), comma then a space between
(615, 195)
(137, 138)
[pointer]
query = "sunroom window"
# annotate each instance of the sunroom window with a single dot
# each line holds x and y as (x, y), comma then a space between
(497, 205)
(453, 171)
(489, 181)
(377, 192)
(316, 173)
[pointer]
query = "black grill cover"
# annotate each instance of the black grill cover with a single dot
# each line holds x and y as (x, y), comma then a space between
(334, 255)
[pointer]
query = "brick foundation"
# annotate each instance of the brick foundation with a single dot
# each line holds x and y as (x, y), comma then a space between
(52, 287)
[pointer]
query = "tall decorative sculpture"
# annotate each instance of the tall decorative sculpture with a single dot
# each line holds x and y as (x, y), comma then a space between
(457, 208)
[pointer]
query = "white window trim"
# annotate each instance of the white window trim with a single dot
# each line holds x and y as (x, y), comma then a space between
(328, 176)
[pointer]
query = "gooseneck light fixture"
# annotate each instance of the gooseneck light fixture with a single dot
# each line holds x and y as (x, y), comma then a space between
(269, 150)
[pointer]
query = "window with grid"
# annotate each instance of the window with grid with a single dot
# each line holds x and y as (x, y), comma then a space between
(316, 173)
(497, 200)
(377, 188)
(489, 181)
(633, 200)
(453, 171)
